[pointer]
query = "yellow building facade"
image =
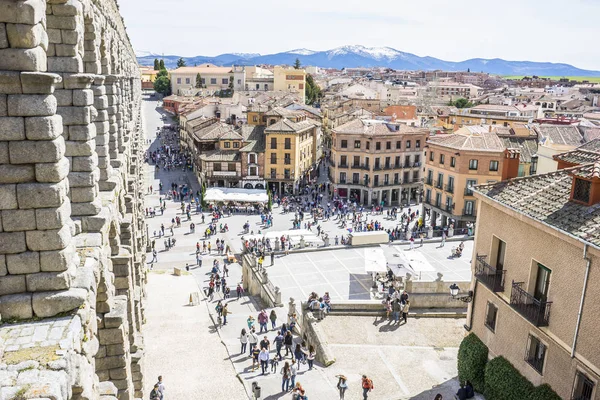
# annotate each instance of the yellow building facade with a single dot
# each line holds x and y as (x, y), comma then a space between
(290, 80)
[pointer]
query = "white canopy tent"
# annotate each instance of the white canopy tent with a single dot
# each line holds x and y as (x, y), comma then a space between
(375, 260)
(217, 194)
(397, 260)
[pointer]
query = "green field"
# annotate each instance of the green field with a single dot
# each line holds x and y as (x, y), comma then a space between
(592, 79)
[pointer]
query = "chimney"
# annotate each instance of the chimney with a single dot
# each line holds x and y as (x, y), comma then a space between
(510, 164)
(585, 188)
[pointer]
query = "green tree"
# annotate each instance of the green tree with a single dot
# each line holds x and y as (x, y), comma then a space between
(312, 91)
(198, 81)
(461, 103)
(161, 64)
(231, 83)
(162, 85)
(180, 62)
(156, 64)
(297, 64)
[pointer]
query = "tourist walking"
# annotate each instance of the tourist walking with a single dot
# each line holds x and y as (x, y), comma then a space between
(443, 239)
(286, 374)
(293, 373)
(367, 386)
(243, 340)
(161, 387)
(273, 318)
(252, 340)
(262, 321)
(342, 385)
(397, 307)
(311, 356)
(263, 357)
(288, 341)
(225, 313)
(279, 344)
(250, 322)
(405, 310)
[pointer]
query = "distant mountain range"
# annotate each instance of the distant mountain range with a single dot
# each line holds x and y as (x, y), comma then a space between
(360, 56)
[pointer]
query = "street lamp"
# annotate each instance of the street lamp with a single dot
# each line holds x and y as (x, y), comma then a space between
(454, 289)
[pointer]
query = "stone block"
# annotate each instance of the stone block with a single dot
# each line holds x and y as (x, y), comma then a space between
(16, 173)
(65, 50)
(82, 132)
(83, 194)
(16, 306)
(22, 11)
(84, 97)
(118, 374)
(70, 7)
(18, 220)
(12, 128)
(4, 159)
(86, 209)
(8, 197)
(107, 388)
(54, 35)
(78, 81)
(39, 82)
(75, 115)
(54, 239)
(83, 179)
(3, 105)
(42, 195)
(56, 261)
(102, 116)
(61, 22)
(37, 151)
(48, 304)
(12, 242)
(52, 172)
(3, 37)
(43, 128)
(107, 363)
(31, 105)
(51, 52)
(115, 350)
(12, 284)
(79, 149)
(48, 281)
(71, 37)
(10, 82)
(52, 218)
(3, 269)
(23, 59)
(23, 263)
(64, 97)
(25, 36)
(65, 64)
(88, 163)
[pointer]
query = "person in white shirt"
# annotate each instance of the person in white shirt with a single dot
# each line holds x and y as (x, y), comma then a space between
(161, 387)
(263, 357)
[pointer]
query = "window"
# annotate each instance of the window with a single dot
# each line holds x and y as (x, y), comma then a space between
(342, 177)
(581, 190)
(213, 81)
(239, 81)
(450, 187)
(440, 181)
(408, 144)
(387, 162)
(500, 253)
(398, 145)
(273, 143)
(252, 159)
(236, 145)
(493, 165)
(473, 165)
(287, 159)
(406, 177)
(417, 160)
(273, 158)
(448, 203)
(453, 162)
(431, 156)
(227, 144)
(368, 145)
(224, 81)
(429, 177)
(253, 171)
(536, 352)
(470, 184)
(343, 161)
(416, 175)
(216, 166)
(286, 173)
(203, 81)
(397, 162)
(187, 81)
(344, 144)
(376, 180)
(490, 316)
(583, 389)
(254, 118)
(542, 283)
(231, 167)
(406, 161)
(355, 178)
(356, 162)
(469, 207)
(273, 173)
(378, 146)
(288, 144)
(442, 158)
(388, 145)
(396, 179)
(301, 86)
(377, 166)
(418, 144)
(438, 199)
(428, 196)
(179, 81)
(357, 144)
(386, 179)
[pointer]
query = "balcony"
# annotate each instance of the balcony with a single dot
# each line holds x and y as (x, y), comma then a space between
(468, 212)
(416, 165)
(535, 311)
(491, 277)
(377, 167)
(340, 165)
(427, 200)
(223, 173)
(450, 188)
(438, 184)
(287, 161)
(468, 192)
(356, 182)
(429, 181)
(449, 207)
(342, 182)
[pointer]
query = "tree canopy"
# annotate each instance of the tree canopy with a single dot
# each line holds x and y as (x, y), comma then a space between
(461, 103)
(297, 64)
(312, 91)
(161, 64)
(181, 62)
(162, 85)
(198, 81)
(156, 64)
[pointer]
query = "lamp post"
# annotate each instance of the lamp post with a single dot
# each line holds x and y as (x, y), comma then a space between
(454, 289)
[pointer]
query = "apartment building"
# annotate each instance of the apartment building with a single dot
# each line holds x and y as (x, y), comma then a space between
(183, 79)
(454, 164)
(555, 139)
(291, 148)
(536, 286)
(290, 80)
(373, 162)
(455, 89)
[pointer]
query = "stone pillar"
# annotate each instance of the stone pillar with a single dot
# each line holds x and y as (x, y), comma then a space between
(102, 125)
(113, 107)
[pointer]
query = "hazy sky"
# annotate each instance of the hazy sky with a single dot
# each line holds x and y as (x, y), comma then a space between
(533, 30)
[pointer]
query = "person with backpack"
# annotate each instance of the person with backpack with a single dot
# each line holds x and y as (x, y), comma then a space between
(367, 386)
(155, 393)
(342, 385)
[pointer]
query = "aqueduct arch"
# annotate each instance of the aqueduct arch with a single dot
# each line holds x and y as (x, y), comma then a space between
(72, 233)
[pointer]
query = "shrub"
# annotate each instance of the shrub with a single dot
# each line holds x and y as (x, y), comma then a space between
(504, 382)
(472, 358)
(544, 392)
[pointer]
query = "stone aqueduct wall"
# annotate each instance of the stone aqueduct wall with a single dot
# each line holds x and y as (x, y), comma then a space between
(72, 235)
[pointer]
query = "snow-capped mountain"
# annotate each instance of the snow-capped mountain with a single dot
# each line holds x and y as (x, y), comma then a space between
(361, 56)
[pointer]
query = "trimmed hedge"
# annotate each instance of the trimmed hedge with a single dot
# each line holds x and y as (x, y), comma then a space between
(544, 392)
(504, 382)
(472, 360)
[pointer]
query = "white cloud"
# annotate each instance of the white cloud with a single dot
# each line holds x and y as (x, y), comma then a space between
(534, 30)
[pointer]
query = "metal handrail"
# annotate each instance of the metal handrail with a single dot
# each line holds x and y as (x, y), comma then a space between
(491, 277)
(534, 310)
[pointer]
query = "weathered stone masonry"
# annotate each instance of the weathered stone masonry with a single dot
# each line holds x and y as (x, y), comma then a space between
(72, 235)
